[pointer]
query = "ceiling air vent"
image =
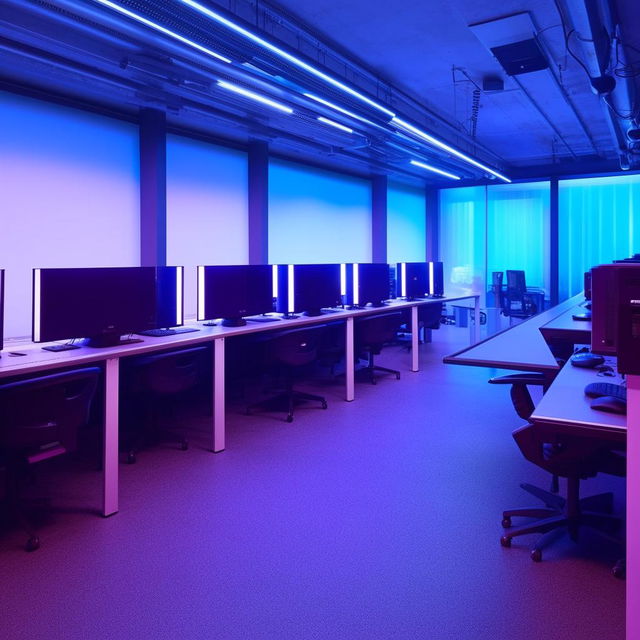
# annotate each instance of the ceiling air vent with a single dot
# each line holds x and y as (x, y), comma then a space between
(520, 57)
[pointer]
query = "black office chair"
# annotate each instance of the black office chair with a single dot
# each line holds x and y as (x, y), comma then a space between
(39, 420)
(371, 334)
(524, 406)
(573, 458)
(150, 386)
(429, 317)
(516, 302)
(288, 352)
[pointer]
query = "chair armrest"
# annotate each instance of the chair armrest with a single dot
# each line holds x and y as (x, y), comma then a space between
(532, 378)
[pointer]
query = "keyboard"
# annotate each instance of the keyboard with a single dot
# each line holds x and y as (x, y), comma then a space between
(599, 389)
(161, 333)
(262, 319)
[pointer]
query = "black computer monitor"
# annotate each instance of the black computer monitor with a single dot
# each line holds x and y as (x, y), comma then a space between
(366, 283)
(307, 288)
(1, 308)
(100, 304)
(231, 292)
(436, 279)
(412, 279)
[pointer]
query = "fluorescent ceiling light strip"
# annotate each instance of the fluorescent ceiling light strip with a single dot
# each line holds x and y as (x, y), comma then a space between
(287, 56)
(161, 29)
(326, 103)
(253, 96)
(446, 147)
(428, 167)
(337, 125)
(201, 293)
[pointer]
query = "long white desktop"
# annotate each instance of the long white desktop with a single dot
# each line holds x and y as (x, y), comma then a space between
(33, 359)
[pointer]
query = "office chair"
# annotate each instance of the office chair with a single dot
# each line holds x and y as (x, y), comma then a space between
(524, 406)
(574, 458)
(150, 385)
(516, 302)
(496, 288)
(288, 352)
(371, 333)
(39, 420)
(429, 316)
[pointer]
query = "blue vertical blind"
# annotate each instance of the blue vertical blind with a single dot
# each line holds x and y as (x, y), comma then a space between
(518, 231)
(462, 246)
(406, 223)
(597, 224)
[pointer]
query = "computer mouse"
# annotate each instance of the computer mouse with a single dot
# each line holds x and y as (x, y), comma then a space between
(586, 360)
(610, 405)
(603, 367)
(582, 316)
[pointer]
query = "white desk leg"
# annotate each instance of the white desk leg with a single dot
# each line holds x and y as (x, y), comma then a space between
(633, 507)
(218, 396)
(415, 339)
(110, 438)
(476, 316)
(349, 373)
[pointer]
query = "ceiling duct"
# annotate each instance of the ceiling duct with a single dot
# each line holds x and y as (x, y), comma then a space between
(593, 38)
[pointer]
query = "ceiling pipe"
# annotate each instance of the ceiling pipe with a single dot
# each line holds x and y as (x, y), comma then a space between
(593, 37)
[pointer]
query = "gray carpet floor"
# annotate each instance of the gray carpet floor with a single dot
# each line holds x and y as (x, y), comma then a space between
(378, 518)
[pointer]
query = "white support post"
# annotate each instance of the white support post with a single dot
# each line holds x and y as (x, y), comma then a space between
(218, 435)
(110, 437)
(415, 339)
(349, 374)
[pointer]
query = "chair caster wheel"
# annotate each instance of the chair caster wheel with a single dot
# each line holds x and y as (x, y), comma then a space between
(505, 541)
(397, 376)
(374, 381)
(184, 445)
(32, 544)
(289, 418)
(619, 570)
(324, 404)
(506, 522)
(131, 458)
(536, 555)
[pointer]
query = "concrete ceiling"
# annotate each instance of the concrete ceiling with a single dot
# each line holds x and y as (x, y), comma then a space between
(428, 50)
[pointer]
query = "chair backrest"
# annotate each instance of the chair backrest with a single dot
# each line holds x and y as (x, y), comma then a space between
(167, 372)
(46, 410)
(296, 347)
(374, 331)
(516, 282)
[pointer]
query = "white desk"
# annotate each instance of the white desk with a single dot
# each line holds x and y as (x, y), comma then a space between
(36, 360)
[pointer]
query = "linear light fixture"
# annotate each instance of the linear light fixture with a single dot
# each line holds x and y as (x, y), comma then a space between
(161, 29)
(287, 56)
(326, 103)
(337, 125)
(428, 167)
(445, 147)
(253, 96)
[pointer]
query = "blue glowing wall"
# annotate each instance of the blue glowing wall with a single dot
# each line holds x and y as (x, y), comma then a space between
(462, 246)
(207, 208)
(599, 221)
(69, 195)
(317, 216)
(518, 231)
(406, 224)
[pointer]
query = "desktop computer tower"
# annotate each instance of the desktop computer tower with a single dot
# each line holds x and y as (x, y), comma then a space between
(606, 283)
